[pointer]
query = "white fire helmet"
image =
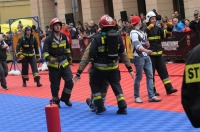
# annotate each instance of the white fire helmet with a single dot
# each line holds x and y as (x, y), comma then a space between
(149, 15)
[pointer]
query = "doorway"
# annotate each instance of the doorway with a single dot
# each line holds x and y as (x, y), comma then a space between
(179, 6)
(141, 7)
(108, 7)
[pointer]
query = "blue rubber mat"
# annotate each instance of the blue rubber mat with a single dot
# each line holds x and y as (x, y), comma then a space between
(27, 114)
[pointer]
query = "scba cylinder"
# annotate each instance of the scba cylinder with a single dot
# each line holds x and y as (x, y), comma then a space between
(53, 117)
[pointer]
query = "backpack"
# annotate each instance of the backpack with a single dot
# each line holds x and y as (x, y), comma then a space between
(112, 41)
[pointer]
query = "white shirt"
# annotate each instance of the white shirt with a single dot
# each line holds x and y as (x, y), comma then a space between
(140, 37)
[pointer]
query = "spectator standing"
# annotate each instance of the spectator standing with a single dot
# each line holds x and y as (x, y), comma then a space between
(87, 29)
(20, 26)
(195, 24)
(72, 30)
(34, 29)
(65, 30)
(94, 28)
(187, 28)
(178, 26)
(142, 61)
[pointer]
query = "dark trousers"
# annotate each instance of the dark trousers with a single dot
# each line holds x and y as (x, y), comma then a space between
(113, 77)
(3, 73)
(158, 64)
(55, 76)
(25, 68)
(104, 85)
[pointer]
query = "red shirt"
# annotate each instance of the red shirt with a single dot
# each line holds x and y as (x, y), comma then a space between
(68, 35)
(186, 29)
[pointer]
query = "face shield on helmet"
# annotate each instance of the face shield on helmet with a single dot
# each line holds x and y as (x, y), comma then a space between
(106, 21)
(55, 20)
(149, 15)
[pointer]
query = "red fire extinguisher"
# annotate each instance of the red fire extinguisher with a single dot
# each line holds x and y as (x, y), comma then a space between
(53, 117)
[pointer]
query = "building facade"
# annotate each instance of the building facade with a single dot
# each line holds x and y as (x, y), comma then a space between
(10, 9)
(87, 10)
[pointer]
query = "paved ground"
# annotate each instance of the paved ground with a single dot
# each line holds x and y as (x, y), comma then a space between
(22, 109)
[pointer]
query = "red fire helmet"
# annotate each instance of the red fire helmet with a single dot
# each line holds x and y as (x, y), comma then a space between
(106, 21)
(53, 21)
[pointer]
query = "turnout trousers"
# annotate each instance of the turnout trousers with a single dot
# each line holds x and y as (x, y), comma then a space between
(55, 75)
(113, 77)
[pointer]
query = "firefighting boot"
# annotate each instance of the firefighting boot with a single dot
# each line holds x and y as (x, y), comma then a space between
(91, 105)
(100, 106)
(56, 100)
(100, 110)
(122, 111)
(39, 84)
(24, 83)
(68, 103)
(170, 89)
(65, 98)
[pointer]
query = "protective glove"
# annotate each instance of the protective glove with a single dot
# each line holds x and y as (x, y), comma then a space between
(21, 57)
(169, 24)
(150, 26)
(52, 59)
(77, 77)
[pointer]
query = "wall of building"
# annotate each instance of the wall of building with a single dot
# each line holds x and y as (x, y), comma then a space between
(86, 10)
(130, 6)
(44, 9)
(163, 7)
(14, 9)
(92, 10)
(64, 7)
(190, 7)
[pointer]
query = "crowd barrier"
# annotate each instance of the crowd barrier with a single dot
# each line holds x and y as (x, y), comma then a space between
(175, 47)
(178, 46)
(79, 46)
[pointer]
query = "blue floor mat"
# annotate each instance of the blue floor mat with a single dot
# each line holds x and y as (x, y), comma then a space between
(27, 114)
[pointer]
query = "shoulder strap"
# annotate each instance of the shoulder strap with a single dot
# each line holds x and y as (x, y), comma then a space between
(139, 37)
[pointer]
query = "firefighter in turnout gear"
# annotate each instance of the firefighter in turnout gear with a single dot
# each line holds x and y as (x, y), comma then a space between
(104, 86)
(104, 52)
(190, 94)
(154, 35)
(56, 51)
(28, 53)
